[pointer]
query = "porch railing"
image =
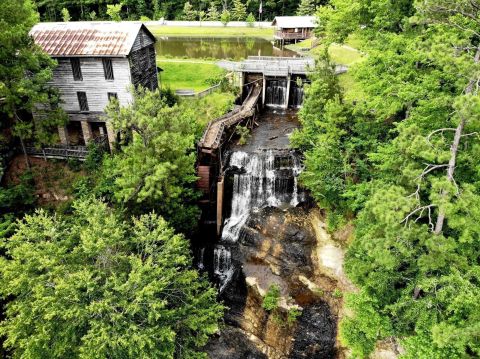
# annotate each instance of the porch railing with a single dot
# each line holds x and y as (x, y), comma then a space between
(291, 35)
(66, 151)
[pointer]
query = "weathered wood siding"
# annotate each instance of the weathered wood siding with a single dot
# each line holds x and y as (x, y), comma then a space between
(142, 40)
(143, 67)
(94, 83)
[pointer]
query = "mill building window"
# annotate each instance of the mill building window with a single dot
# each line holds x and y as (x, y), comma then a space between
(82, 101)
(76, 69)
(107, 69)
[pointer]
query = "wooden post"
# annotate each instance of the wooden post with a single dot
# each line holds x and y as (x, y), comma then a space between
(288, 91)
(86, 131)
(264, 89)
(110, 135)
(220, 186)
(63, 134)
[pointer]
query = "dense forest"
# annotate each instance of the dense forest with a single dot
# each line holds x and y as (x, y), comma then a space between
(54, 10)
(395, 152)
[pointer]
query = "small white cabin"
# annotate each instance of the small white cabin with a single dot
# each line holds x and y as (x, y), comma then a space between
(294, 28)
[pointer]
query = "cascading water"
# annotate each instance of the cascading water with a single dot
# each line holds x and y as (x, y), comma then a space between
(276, 93)
(262, 179)
(223, 269)
(296, 97)
(201, 264)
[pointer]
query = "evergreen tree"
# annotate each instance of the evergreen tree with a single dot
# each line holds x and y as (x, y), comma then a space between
(405, 161)
(155, 170)
(306, 8)
(93, 286)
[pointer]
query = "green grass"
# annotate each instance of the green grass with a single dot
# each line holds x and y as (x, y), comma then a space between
(162, 30)
(188, 75)
(344, 55)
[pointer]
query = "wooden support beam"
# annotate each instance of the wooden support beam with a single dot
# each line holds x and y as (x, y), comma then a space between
(220, 187)
(287, 95)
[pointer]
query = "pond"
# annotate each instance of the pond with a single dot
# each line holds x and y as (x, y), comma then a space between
(234, 48)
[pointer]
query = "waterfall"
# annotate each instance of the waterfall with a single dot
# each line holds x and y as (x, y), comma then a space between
(296, 96)
(261, 179)
(201, 265)
(276, 93)
(222, 261)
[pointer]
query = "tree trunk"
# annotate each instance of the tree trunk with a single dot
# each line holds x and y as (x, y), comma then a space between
(25, 155)
(453, 152)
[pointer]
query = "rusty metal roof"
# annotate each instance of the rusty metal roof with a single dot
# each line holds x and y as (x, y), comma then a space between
(86, 38)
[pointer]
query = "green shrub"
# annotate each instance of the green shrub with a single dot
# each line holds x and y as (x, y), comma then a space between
(271, 299)
(225, 17)
(293, 314)
(250, 20)
(244, 134)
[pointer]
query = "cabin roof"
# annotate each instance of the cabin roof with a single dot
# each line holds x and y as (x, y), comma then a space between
(87, 38)
(293, 22)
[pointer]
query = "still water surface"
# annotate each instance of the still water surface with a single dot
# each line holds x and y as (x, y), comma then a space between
(234, 48)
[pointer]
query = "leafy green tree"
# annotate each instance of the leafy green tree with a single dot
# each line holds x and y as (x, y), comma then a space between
(24, 74)
(250, 20)
(66, 15)
(225, 17)
(93, 286)
(239, 11)
(189, 14)
(212, 13)
(113, 11)
(306, 8)
(156, 168)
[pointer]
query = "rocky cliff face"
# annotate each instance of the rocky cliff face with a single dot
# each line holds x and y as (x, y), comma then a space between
(290, 248)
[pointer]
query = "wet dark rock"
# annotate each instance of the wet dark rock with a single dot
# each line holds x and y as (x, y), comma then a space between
(315, 334)
(233, 343)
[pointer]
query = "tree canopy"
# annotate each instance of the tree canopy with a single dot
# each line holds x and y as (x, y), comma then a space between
(93, 286)
(24, 74)
(402, 157)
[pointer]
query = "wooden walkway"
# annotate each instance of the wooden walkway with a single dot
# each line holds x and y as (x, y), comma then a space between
(212, 136)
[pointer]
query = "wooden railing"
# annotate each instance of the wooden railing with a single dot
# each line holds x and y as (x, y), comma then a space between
(61, 152)
(291, 35)
(66, 151)
(192, 93)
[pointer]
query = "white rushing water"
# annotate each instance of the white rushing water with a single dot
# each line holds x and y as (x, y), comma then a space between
(262, 179)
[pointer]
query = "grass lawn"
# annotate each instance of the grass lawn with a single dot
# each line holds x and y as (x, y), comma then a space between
(344, 55)
(162, 30)
(188, 74)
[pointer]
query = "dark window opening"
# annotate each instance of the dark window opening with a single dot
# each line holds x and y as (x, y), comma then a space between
(112, 95)
(108, 69)
(76, 69)
(82, 101)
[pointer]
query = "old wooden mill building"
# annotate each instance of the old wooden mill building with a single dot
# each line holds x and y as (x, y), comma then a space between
(97, 61)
